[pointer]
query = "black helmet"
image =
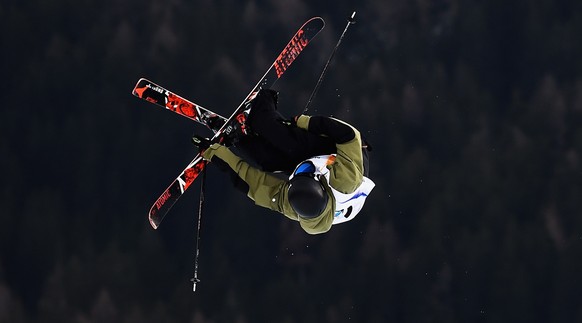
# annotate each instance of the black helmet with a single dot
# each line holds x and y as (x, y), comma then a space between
(306, 195)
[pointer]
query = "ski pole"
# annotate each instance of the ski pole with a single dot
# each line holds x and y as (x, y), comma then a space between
(351, 21)
(195, 279)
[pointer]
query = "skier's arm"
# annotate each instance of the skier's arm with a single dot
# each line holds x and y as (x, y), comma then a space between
(339, 131)
(346, 174)
(263, 187)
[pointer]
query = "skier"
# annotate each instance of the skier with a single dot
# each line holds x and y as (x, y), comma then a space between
(310, 169)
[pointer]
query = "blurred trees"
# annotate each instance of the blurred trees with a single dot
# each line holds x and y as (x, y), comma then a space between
(472, 108)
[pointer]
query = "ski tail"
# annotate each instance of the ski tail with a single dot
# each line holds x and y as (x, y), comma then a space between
(287, 56)
(158, 95)
(171, 195)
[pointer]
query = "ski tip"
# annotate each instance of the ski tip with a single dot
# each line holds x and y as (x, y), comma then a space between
(137, 87)
(141, 80)
(317, 22)
(312, 27)
(154, 218)
(155, 224)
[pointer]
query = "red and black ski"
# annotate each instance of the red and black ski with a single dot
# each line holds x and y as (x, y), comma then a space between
(295, 46)
(154, 93)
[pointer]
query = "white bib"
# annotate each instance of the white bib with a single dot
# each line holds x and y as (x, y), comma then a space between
(347, 206)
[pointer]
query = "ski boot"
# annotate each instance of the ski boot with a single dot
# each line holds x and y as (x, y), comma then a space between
(214, 122)
(238, 126)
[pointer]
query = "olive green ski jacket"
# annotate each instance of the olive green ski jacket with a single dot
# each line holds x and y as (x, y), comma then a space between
(266, 190)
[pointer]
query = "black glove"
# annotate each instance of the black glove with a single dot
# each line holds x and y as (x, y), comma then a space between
(201, 142)
(287, 122)
(268, 92)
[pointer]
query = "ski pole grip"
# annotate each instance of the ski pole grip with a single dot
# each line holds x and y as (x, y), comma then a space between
(352, 18)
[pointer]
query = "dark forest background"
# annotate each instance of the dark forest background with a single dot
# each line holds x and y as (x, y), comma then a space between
(473, 109)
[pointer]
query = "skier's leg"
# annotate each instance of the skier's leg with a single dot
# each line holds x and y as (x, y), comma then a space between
(297, 144)
(263, 154)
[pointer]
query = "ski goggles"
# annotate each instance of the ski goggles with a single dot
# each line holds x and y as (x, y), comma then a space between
(305, 168)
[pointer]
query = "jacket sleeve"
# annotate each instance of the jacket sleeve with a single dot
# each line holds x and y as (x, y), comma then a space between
(263, 187)
(340, 132)
(269, 191)
(347, 172)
